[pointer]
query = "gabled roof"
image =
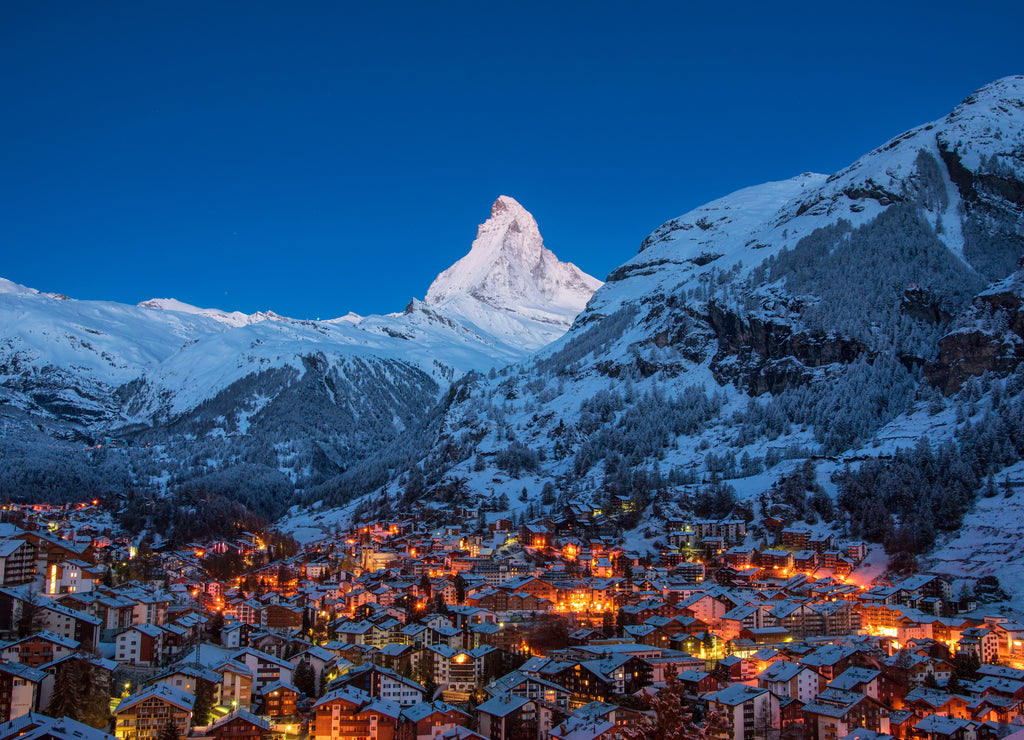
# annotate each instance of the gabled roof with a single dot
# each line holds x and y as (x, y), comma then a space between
(279, 686)
(22, 671)
(782, 670)
(510, 681)
(233, 666)
(240, 713)
(827, 655)
(849, 679)
(262, 657)
(162, 691)
(736, 694)
(189, 669)
(835, 703)
(383, 706)
(934, 698)
(147, 629)
(426, 708)
(49, 637)
(64, 728)
(503, 705)
(939, 725)
(316, 652)
(347, 693)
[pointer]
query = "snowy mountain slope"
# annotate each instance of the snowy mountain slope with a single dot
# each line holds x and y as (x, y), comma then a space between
(94, 369)
(231, 318)
(806, 320)
(509, 269)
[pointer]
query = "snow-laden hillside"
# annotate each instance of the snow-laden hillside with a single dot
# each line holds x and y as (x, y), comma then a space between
(978, 144)
(509, 294)
(760, 351)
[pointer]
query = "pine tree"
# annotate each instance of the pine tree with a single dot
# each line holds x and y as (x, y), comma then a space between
(673, 716)
(608, 624)
(203, 704)
(439, 604)
(31, 616)
(169, 731)
(304, 679)
(67, 686)
(429, 687)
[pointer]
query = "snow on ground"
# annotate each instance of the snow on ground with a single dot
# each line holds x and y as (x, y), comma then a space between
(991, 539)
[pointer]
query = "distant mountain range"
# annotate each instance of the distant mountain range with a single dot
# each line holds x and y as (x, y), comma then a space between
(297, 401)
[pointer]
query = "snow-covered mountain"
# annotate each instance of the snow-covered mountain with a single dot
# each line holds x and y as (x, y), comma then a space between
(308, 398)
(805, 325)
(510, 285)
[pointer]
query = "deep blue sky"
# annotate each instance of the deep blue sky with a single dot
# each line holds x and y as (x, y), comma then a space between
(318, 158)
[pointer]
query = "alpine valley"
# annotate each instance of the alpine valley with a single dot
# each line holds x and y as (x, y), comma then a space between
(839, 350)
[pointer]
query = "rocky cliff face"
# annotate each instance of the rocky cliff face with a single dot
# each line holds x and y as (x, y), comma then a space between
(765, 356)
(990, 338)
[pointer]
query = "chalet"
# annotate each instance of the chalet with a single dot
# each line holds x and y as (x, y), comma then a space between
(144, 716)
(51, 616)
(17, 562)
(923, 701)
(383, 717)
(604, 677)
(821, 542)
(383, 683)
(188, 677)
(937, 727)
(739, 557)
(140, 645)
(237, 681)
(279, 699)
(806, 561)
(508, 717)
(834, 713)
(829, 660)
(859, 680)
(337, 715)
(740, 618)
(39, 649)
(20, 689)
(530, 687)
(752, 712)
(696, 683)
(981, 642)
(239, 725)
(266, 668)
(791, 680)
(778, 560)
(429, 719)
(795, 538)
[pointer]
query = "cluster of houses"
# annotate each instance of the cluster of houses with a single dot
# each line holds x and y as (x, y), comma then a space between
(549, 629)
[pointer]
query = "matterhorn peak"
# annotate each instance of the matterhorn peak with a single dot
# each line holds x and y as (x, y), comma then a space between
(510, 283)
